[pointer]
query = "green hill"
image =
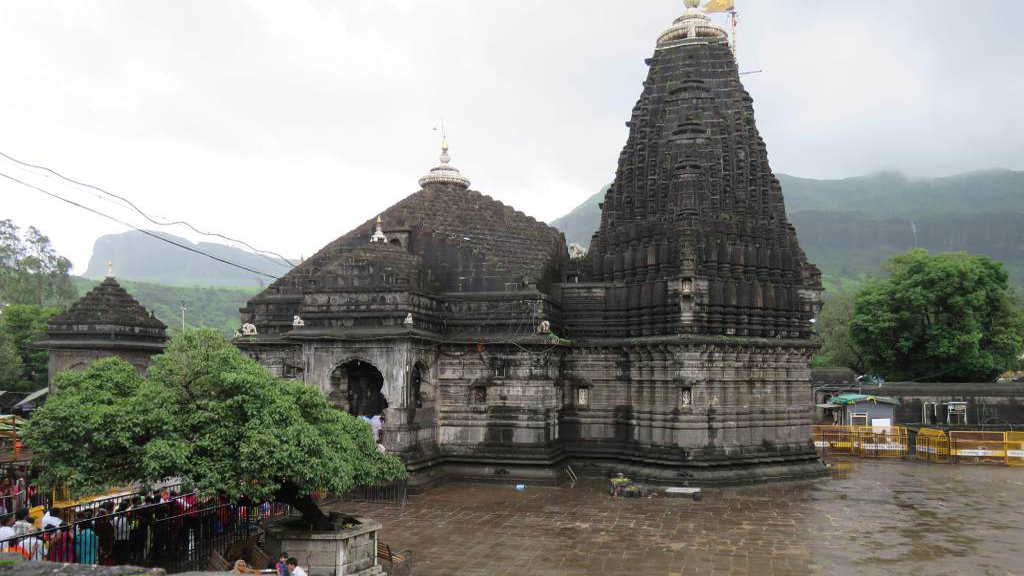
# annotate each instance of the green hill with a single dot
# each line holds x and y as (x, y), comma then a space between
(146, 259)
(206, 307)
(849, 227)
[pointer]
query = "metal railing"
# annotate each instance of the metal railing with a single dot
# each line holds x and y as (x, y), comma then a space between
(862, 441)
(930, 445)
(178, 536)
(391, 493)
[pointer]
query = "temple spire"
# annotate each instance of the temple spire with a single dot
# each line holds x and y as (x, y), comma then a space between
(110, 268)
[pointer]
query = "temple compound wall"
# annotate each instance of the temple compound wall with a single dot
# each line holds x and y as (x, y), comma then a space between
(676, 349)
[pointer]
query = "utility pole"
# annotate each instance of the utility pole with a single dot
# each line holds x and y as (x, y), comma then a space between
(183, 316)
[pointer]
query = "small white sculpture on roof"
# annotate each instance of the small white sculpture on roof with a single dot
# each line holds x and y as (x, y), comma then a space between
(249, 329)
(298, 322)
(577, 251)
(378, 235)
(408, 321)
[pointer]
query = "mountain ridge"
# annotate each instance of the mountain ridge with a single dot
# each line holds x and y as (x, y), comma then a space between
(850, 226)
(140, 257)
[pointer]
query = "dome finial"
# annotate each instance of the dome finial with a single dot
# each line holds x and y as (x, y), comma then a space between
(444, 173)
(695, 24)
(110, 268)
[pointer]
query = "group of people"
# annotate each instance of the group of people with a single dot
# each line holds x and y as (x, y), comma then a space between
(285, 566)
(109, 533)
(16, 493)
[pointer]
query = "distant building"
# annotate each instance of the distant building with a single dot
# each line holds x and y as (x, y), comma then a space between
(861, 410)
(106, 322)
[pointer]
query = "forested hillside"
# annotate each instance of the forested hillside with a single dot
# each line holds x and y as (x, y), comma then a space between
(206, 307)
(849, 227)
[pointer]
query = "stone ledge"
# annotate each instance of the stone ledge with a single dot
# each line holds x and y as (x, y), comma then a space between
(22, 568)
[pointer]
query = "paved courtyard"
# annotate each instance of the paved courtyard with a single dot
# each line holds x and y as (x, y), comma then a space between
(870, 518)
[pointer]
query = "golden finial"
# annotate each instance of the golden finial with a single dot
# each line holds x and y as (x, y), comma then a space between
(110, 268)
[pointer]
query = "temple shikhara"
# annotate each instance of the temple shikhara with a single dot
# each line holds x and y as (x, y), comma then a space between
(676, 349)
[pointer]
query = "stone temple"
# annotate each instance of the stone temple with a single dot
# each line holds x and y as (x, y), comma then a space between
(106, 322)
(676, 350)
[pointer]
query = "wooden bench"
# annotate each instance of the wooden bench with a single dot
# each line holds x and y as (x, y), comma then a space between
(403, 558)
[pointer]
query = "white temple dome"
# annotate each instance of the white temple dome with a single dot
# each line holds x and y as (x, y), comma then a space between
(445, 173)
(692, 24)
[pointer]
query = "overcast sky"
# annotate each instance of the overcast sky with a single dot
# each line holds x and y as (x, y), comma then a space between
(286, 123)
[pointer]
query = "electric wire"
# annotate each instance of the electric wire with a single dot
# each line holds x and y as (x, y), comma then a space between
(146, 232)
(147, 216)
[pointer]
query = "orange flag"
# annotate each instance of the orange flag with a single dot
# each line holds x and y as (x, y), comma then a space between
(719, 6)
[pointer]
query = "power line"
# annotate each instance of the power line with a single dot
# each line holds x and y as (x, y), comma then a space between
(146, 232)
(146, 216)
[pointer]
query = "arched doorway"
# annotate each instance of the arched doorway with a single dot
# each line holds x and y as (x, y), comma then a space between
(356, 388)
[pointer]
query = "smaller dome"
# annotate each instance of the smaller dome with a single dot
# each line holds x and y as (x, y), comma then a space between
(692, 24)
(445, 173)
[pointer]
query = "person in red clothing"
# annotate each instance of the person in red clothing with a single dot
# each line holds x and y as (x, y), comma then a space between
(62, 545)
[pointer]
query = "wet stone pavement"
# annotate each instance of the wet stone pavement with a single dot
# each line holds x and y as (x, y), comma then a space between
(870, 518)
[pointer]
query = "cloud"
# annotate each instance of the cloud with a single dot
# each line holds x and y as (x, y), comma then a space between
(288, 123)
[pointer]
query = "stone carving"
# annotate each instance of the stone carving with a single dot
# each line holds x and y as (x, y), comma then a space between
(298, 322)
(408, 323)
(249, 329)
(544, 327)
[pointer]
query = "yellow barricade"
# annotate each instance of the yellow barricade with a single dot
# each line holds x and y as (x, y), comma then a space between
(881, 441)
(833, 440)
(974, 447)
(932, 445)
(1015, 448)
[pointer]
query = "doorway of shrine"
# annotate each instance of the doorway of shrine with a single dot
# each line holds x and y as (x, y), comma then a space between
(357, 388)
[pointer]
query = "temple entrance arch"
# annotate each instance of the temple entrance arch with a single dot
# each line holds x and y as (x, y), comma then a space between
(357, 388)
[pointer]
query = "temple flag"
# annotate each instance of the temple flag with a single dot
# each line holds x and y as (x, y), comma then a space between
(719, 6)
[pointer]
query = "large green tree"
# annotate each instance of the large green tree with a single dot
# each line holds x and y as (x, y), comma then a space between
(20, 327)
(941, 317)
(10, 363)
(833, 327)
(31, 271)
(210, 416)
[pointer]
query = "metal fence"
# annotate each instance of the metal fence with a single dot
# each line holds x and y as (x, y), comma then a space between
(930, 445)
(862, 441)
(179, 535)
(392, 493)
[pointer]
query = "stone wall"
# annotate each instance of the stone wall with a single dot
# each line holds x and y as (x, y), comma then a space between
(63, 359)
(345, 552)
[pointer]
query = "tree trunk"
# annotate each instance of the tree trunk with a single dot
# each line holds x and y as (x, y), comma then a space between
(312, 515)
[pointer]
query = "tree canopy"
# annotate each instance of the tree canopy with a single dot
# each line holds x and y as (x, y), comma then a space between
(31, 271)
(23, 367)
(206, 414)
(941, 317)
(833, 326)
